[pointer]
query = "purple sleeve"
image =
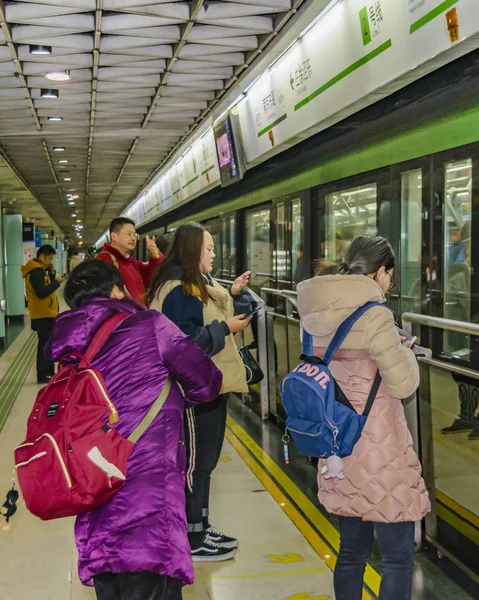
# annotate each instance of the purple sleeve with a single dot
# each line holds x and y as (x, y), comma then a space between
(187, 364)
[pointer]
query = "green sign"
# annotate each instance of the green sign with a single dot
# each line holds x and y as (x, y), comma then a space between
(365, 29)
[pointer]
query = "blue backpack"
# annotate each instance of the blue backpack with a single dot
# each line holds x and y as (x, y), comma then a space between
(320, 418)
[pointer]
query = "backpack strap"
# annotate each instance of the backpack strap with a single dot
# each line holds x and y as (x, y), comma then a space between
(372, 395)
(307, 344)
(151, 414)
(103, 334)
(344, 329)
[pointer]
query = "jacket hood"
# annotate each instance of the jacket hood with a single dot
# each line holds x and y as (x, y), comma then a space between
(325, 302)
(31, 265)
(74, 330)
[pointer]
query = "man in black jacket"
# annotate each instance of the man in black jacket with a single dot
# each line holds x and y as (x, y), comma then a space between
(41, 284)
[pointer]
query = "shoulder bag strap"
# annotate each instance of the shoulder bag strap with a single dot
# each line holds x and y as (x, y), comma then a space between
(103, 334)
(112, 256)
(345, 328)
(116, 265)
(152, 413)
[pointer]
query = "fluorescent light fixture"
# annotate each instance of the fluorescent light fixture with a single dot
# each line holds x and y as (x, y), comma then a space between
(50, 93)
(248, 87)
(63, 162)
(78, 220)
(55, 118)
(67, 179)
(75, 197)
(58, 76)
(74, 215)
(36, 49)
(58, 149)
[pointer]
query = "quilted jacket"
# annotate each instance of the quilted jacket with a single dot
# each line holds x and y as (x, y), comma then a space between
(383, 475)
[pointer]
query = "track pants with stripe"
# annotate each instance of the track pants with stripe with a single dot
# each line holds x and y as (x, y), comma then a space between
(205, 431)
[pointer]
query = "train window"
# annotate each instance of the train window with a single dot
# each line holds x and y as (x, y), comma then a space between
(259, 249)
(411, 240)
(349, 213)
(457, 252)
(299, 260)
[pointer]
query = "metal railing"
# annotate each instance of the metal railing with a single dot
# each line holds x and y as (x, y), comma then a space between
(424, 423)
(262, 342)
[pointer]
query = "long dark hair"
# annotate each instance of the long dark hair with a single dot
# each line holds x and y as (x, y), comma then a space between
(183, 262)
(366, 254)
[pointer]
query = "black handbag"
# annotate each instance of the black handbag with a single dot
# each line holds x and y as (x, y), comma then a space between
(254, 374)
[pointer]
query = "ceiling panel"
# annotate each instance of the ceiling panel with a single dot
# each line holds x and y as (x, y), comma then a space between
(126, 104)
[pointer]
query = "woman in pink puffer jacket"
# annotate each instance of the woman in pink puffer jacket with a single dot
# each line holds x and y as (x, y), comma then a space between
(382, 490)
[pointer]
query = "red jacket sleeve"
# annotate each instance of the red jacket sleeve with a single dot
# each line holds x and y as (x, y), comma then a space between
(149, 269)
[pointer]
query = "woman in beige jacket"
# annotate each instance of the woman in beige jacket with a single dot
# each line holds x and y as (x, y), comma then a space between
(203, 309)
(382, 490)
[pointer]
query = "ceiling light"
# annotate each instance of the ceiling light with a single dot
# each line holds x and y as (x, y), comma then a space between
(67, 179)
(74, 215)
(63, 162)
(35, 49)
(81, 243)
(58, 149)
(58, 76)
(50, 93)
(75, 197)
(55, 118)
(78, 220)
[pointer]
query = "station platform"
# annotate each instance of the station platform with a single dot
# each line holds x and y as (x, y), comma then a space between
(288, 545)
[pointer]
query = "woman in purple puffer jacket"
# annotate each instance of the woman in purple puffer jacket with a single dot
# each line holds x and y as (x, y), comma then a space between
(135, 547)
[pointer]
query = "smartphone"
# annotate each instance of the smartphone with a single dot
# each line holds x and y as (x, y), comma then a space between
(412, 341)
(253, 312)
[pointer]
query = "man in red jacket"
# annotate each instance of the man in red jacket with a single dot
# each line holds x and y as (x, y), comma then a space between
(137, 275)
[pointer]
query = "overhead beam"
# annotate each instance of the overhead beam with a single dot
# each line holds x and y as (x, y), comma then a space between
(7, 32)
(94, 90)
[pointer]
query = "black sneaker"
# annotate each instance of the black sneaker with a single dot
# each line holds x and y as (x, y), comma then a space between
(474, 435)
(209, 551)
(459, 426)
(223, 541)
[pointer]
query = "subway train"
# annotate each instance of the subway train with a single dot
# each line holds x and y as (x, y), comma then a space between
(406, 168)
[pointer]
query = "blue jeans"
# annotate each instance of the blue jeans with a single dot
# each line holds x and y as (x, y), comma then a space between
(396, 542)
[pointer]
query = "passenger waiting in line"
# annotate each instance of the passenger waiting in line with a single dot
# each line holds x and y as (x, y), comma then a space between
(185, 292)
(135, 546)
(164, 243)
(75, 260)
(41, 284)
(382, 490)
(137, 275)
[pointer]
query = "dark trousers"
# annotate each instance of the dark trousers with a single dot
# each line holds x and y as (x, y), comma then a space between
(44, 328)
(205, 432)
(396, 542)
(137, 586)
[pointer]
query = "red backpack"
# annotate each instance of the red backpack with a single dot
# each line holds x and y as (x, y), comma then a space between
(71, 462)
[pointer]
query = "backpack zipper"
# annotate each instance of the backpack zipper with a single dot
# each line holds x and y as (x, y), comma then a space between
(58, 453)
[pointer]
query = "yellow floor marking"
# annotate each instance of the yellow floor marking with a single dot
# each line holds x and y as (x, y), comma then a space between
(284, 558)
(273, 574)
(467, 515)
(240, 440)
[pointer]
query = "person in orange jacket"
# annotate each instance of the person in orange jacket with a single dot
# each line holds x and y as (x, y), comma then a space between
(137, 275)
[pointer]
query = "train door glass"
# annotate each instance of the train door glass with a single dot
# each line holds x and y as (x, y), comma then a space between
(282, 254)
(349, 213)
(298, 259)
(411, 241)
(229, 248)
(214, 227)
(259, 248)
(457, 246)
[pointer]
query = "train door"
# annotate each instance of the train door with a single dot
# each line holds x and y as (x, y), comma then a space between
(454, 396)
(259, 246)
